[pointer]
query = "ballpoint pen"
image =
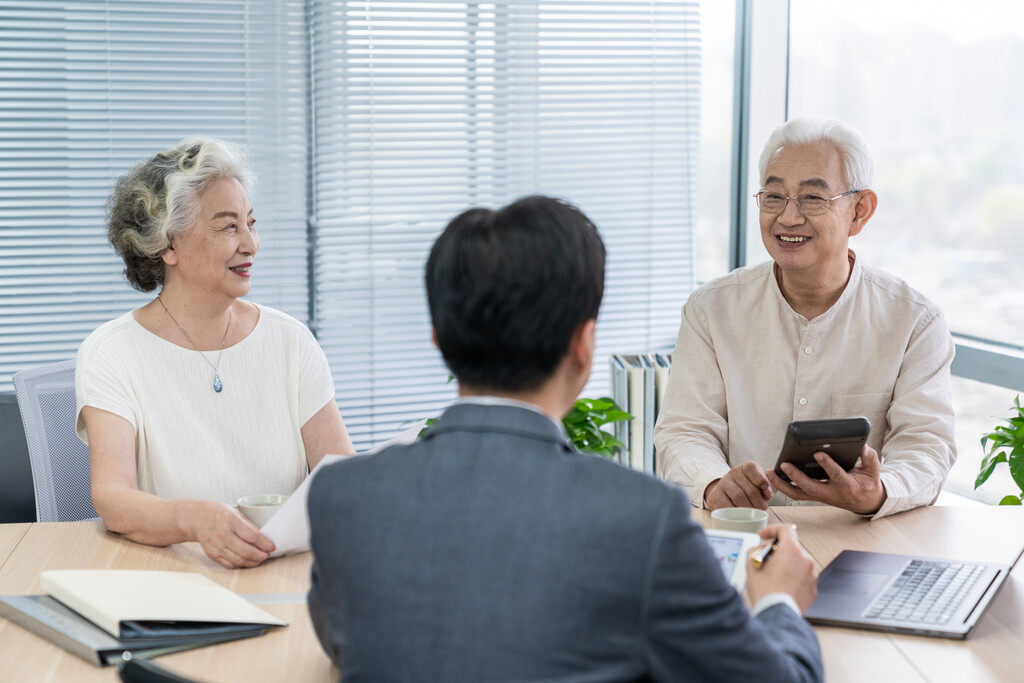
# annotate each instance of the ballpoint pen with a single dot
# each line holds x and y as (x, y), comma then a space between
(762, 554)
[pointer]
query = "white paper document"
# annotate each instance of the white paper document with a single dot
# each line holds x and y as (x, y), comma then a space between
(289, 528)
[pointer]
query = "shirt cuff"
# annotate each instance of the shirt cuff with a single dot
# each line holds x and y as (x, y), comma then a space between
(891, 504)
(773, 599)
(702, 486)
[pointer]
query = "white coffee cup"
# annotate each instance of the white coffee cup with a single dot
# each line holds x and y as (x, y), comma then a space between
(739, 519)
(261, 507)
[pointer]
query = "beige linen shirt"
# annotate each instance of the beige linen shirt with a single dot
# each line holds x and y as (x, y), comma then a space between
(746, 364)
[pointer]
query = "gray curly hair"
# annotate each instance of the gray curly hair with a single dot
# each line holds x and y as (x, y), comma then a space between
(159, 199)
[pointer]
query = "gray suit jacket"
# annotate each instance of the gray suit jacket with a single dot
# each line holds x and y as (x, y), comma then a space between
(491, 550)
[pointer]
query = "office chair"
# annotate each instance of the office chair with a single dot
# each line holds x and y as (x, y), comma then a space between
(60, 461)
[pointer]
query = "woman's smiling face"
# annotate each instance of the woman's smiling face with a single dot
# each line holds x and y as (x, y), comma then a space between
(215, 255)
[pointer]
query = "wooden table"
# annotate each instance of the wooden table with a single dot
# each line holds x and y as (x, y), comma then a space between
(993, 652)
(288, 654)
(10, 537)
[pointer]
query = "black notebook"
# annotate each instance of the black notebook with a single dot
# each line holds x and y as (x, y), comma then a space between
(62, 626)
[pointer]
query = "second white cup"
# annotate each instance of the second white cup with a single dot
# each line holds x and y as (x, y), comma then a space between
(739, 519)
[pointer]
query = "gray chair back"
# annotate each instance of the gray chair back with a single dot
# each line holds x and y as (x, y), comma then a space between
(60, 461)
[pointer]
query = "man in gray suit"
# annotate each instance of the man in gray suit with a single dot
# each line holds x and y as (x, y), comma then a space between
(490, 549)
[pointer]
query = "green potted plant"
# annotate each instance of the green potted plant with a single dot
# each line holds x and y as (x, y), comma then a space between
(1005, 443)
(583, 425)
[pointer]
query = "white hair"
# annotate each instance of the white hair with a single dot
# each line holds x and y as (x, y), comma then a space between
(855, 159)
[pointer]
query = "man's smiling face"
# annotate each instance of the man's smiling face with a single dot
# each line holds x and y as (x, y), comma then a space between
(798, 243)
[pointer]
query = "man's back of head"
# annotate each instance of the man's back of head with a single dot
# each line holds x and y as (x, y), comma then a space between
(507, 290)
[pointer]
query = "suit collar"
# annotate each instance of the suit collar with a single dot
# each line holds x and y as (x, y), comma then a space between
(499, 417)
(501, 401)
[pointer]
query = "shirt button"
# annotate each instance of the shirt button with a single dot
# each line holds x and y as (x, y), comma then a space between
(808, 349)
(803, 401)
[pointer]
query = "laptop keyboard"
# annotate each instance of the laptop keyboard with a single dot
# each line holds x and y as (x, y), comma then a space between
(926, 592)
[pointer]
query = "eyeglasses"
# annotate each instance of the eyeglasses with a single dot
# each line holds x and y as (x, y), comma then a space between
(807, 204)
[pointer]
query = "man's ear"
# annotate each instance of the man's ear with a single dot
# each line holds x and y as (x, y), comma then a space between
(583, 342)
(433, 338)
(863, 210)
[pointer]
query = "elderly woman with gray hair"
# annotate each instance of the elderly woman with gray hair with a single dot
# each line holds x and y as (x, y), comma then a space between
(198, 398)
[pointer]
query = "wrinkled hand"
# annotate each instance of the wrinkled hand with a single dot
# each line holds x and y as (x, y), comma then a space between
(789, 569)
(228, 538)
(860, 490)
(744, 486)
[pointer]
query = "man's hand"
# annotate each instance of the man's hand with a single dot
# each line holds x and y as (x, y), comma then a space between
(744, 486)
(789, 570)
(860, 490)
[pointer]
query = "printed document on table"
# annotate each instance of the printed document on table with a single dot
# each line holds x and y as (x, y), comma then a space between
(289, 528)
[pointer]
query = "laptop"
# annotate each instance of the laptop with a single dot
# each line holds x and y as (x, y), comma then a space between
(905, 594)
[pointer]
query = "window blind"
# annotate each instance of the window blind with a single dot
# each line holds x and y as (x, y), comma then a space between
(422, 109)
(87, 89)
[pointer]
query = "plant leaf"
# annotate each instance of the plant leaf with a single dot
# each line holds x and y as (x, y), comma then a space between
(1016, 462)
(584, 421)
(616, 415)
(988, 465)
(1002, 438)
(427, 424)
(613, 445)
(573, 418)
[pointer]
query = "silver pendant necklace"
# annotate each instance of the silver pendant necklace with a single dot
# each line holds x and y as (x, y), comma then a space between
(218, 385)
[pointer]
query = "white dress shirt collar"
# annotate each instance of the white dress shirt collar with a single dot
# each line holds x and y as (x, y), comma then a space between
(505, 402)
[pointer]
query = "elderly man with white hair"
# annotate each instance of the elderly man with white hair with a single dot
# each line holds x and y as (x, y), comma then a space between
(812, 334)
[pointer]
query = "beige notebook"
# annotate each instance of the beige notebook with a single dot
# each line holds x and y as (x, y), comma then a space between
(108, 597)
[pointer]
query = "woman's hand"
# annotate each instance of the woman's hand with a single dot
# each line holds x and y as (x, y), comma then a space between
(226, 536)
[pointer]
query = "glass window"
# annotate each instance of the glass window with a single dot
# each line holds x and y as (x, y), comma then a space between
(418, 111)
(979, 408)
(89, 89)
(717, 82)
(935, 88)
(425, 109)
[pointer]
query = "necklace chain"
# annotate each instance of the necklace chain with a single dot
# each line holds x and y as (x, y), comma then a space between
(218, 385)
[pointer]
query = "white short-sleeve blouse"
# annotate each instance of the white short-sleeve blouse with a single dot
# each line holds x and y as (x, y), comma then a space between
(191, 441)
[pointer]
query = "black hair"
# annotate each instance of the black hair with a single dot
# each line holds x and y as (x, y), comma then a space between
(508, 288)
